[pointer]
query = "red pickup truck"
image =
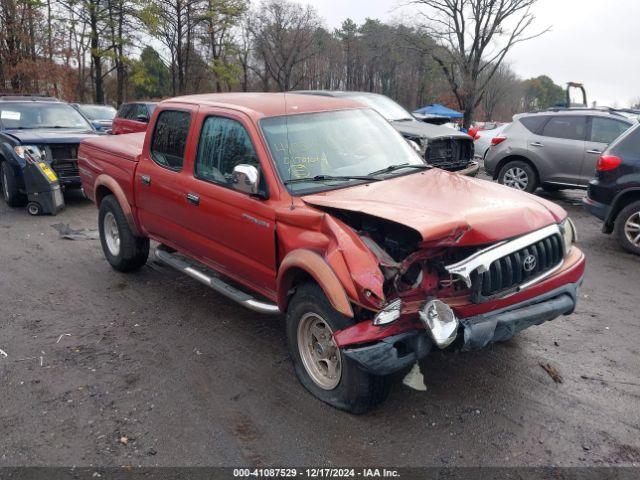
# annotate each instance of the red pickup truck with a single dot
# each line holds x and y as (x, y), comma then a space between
(317, 208)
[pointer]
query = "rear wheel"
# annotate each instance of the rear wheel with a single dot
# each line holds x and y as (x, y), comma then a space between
(10, 191)
(319, 364)
(122, 249)
(627, 228)
(519, 175)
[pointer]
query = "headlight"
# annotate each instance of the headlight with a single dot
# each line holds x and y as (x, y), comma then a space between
(388, 314)
(569, 234)
(33, 150)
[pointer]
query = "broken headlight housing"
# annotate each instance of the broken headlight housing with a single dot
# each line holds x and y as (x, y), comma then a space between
(390, 313)
(32, 150)
(569, 234)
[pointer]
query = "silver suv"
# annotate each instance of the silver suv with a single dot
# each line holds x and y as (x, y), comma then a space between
(554, 149)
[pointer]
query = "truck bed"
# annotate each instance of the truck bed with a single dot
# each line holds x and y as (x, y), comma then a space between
(115, 156)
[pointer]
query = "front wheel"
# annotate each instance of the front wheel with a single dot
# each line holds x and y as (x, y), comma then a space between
(319, 364)
(10, 190)
(519, 175)
(123, 250)
(627, 228)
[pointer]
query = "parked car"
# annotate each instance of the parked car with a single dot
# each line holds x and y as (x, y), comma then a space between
(553, 149)
(442, 147)
(482, 139)
(480, 126)
(46, 128)
(614, 195)
(132, 117)
(330, 217)
(100, 116)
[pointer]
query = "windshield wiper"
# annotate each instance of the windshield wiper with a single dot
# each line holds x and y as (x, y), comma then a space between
(322, 178)
(405, 119)
(400, 166)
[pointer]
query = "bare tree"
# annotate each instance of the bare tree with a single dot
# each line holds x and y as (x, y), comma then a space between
(472, 39)
(284, 34)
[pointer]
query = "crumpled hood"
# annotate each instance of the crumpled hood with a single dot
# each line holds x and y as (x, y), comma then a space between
(445, 207)
(428, 130)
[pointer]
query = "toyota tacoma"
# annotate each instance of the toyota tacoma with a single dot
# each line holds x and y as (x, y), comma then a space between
(318, 209)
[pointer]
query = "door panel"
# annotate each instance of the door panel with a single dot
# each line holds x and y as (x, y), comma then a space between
(231, 229)
(602, 131)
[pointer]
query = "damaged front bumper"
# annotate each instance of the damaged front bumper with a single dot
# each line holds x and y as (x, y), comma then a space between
(396, 352)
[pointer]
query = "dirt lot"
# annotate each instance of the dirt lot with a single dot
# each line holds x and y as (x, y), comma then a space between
(189, 378)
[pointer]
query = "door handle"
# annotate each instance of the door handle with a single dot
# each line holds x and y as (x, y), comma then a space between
(193, 198)
(145, 179)
(595, 152)
(536, 144)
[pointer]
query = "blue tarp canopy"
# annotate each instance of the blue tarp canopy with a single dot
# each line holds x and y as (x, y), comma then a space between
(437, 109)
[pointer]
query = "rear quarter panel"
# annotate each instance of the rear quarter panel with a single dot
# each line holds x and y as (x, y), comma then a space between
(105, 160)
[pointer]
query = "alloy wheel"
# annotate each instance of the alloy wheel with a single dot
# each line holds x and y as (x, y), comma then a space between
(632, 229)
(320, 355)
(516, 178)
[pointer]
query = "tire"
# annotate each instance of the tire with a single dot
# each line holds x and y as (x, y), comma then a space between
(519, 175)
(34, 208)
(354, 390)
(627, 228)
(9, 183)
(122, 249)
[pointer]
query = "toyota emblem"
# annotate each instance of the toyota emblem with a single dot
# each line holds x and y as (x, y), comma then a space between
(529, 263)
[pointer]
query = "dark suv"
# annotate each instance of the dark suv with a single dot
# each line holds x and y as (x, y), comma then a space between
(44, 126)
(553, 149)
(614, 195)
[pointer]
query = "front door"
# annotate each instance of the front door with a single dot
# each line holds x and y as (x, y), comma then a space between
(233, 231)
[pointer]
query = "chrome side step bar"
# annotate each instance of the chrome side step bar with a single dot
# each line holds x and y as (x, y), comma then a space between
(216, 284)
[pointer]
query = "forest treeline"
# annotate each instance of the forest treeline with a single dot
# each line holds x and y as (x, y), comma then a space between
(111, 51)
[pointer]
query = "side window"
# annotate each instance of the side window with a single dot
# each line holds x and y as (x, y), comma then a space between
(606, 130)
(140, 112)
(224, 143)
(629, 145)
(170, 139)
(125, 110)
(534, 122)
(570, 127)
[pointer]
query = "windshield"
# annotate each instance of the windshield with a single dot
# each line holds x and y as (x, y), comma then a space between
(384, 106)
(341, 143)
(34, 115)
(98, 112)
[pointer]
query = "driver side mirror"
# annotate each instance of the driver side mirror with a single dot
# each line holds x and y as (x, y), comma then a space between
(142, 118)
(246, 178)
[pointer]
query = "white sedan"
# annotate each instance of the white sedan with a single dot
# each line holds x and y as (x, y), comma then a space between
(483, 139)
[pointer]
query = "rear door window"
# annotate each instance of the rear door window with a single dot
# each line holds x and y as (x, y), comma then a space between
(569, 127)
(534, 123)
(606, 130)
(629, 145)
(224, 144)
(170, 138)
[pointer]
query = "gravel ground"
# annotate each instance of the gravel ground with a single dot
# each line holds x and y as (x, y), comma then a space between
(153, 368)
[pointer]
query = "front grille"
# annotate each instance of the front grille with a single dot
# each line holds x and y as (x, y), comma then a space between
(63, 159)
(449, 153)
(512, 270)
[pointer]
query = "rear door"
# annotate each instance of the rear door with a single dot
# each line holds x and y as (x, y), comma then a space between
(602, 131)
(560, 148)
(161, 178)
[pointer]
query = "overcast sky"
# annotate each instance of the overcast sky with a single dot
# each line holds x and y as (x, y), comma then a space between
(592, 41)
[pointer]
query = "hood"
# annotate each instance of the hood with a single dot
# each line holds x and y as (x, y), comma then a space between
(48, 136)
(427, 130)
(446, 208)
